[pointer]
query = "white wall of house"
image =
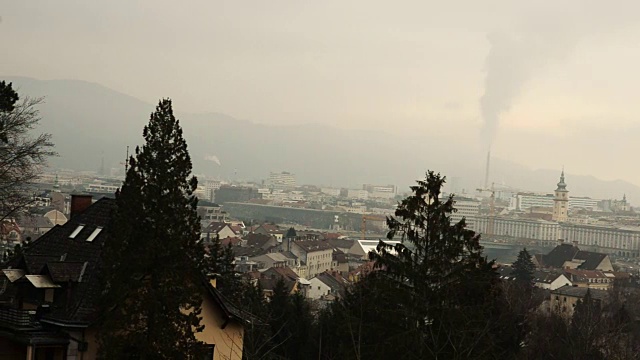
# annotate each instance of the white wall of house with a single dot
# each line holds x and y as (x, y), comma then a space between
(226, 232)
(317, 289)
(559, 282)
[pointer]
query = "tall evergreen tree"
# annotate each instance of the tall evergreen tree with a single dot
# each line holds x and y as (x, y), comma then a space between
(220, 263)
(523, 267)
(8, 97)
(435, 290)
(154, 261)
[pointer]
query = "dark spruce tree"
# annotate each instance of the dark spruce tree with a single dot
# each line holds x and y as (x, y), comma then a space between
(154, 261)
(434, 295)
(8, 97)
(524, 268)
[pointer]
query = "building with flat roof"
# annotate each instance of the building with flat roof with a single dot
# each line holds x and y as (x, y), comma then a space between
(281, 180)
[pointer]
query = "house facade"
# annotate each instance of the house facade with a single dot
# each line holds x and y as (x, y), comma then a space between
(317, 255)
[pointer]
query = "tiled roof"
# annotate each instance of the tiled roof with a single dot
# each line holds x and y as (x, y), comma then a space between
(545, 277)
(313, 245)
(56, 246)
(341, 243)
(284, 272)
(335, 281)
(591, 259)
(230, 240)
(256, 240)
(270, 284)
(216, 227)
(559, 255)
(35, 221)
(580, 292)
(65, 271)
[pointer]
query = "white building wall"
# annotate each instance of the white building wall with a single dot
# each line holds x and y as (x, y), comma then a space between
(317, 289)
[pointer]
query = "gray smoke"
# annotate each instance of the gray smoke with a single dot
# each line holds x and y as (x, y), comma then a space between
(547, 36)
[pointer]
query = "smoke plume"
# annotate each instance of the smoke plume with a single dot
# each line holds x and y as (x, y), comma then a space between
(547, 36)
(213, 158)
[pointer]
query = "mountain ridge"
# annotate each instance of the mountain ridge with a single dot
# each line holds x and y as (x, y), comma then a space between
(90, 121)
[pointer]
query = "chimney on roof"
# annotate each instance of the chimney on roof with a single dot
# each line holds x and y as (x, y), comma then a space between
(79, 203)
(575, 243)
(560, 241)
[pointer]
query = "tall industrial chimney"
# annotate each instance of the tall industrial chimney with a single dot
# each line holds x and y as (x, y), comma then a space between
(486, 173)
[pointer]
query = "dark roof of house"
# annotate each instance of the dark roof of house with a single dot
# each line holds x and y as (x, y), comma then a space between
(580, 292)
(272, 229)
(341, 243)
(230, 311)
(61, 255)
(65, 271)
(216, 227)
(34, 221)
(283, 272)
(34, 263)
(339, 256)
(313, 245)
(270, 284)
(78, 259)
(256, 240)
(559, 255)
(546, 277)
(591, 259)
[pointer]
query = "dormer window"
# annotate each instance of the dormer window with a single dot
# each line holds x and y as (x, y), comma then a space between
(76, 232)
(94, 234)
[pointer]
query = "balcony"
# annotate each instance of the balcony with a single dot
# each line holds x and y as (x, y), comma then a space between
(17, 319)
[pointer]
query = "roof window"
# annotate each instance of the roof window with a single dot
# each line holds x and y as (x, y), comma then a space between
(94, 234)
(76, 232)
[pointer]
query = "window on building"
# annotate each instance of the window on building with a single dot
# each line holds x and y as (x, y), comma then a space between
(76, 231)
(209, 351)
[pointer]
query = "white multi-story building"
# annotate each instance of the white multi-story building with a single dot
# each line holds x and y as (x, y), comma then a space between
(357, 194)
(518, 228)
(102, 188)
(282, 180)
(466, 208)
(210, 187)
(380, 191)
(526, 201)
(623, 241)
(586, 203)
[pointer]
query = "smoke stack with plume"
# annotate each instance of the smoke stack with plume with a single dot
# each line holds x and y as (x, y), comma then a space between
(515, 57)
(486, 173)
(508, 66)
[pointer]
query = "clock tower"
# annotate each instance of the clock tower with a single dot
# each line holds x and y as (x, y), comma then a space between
(561, 201)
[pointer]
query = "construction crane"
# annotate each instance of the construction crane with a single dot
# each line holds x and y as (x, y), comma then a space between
(492, 208)
(364, 223)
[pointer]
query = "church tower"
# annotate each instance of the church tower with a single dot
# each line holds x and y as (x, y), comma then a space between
(561, 201)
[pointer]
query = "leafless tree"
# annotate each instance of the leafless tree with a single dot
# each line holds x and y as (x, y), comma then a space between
(23, 155)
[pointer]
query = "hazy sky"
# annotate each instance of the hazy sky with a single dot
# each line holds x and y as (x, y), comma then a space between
(547, 82)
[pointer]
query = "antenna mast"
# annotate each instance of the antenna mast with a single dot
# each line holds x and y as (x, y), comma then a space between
(126, 162)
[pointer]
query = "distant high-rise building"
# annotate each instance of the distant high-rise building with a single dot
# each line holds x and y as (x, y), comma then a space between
(561, 201)
(281, 180)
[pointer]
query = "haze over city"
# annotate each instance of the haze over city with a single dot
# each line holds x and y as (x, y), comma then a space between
(332, 179)
(545, 84)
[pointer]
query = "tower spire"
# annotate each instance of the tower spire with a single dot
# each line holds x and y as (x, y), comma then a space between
(561, 201)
